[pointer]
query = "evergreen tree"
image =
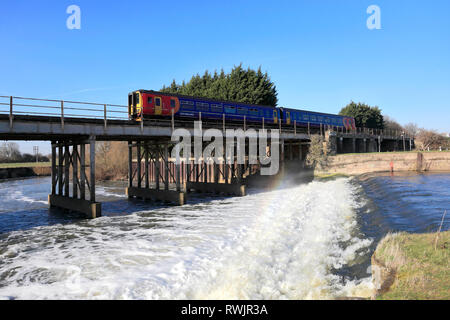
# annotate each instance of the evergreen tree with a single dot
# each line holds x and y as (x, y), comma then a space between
(240, 85)
(365, 115)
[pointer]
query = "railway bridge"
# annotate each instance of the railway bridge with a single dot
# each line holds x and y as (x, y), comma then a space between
(73, 128)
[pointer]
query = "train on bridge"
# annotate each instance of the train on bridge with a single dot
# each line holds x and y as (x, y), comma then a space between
(149, 104)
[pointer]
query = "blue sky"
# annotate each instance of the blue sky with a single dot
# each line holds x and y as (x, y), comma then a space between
(320, 54)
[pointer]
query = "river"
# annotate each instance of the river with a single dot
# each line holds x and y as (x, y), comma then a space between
(306, 241)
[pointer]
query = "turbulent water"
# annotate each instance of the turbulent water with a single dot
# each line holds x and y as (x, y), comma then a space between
(307, 241)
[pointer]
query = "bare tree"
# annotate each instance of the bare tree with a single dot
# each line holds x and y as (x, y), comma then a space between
(429, 140)
(112, 160)
(9, 151)
(411, 128)
(391, 124)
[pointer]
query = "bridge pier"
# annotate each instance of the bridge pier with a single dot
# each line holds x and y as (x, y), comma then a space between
(153, 157)
(71, 155)
(226, 177)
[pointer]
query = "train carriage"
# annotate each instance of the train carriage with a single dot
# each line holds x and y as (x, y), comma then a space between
(149, 104)
(153, 104)
(315, 119)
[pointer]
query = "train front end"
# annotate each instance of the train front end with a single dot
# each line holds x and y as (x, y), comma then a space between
(151, 104)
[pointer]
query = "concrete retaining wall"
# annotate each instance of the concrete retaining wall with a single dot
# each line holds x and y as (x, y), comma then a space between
(356, 164)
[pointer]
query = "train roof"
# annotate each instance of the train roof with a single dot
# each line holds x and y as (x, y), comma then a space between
(203, 98)
(325, 114)
(233, 102)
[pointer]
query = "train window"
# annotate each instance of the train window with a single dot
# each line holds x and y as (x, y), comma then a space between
(241, 110)
(187, 105)
(172, 103)
(327, 120)
(313, 118)
(320, 119)
(253, 112)
(305, 117)
(149, 100)
(230, 109)
(216, 108)
(202, 106)
(136, 98)
(158, 102)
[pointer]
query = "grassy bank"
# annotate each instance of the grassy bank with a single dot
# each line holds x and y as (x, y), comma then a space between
(25, 165)
(414, 266)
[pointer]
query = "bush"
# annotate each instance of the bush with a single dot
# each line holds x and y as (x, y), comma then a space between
(318, 152)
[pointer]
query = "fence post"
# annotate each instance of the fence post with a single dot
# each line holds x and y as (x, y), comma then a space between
(62, 114)
(173, 120)
(104, 114)
(10, 112)
(295, 127)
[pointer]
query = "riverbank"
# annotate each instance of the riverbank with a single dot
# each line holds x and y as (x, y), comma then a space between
(412, 267)
(363, 163)
(21, 170)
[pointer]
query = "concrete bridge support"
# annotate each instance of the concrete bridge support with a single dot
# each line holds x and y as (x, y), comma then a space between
(71, 156)
(340, 145)
(372, 145)
(332, 141)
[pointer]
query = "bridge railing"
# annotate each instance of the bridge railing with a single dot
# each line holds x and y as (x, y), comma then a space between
(375, 132)
(12, 105)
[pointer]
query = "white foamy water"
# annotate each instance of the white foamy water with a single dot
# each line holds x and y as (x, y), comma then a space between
(282, 244)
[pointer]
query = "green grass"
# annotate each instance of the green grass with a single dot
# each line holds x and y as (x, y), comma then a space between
(390, 152)
(25, 165)
(421, 271)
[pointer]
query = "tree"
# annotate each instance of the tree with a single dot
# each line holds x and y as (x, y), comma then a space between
(318, 152)
(391, 124)
(365, 115)
(112, 160)
(240, 85)
(429, 140)
(26, 157)
(9, 152)
(412, 129)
